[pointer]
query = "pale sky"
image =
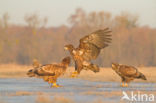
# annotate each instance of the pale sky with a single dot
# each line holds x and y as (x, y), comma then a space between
(58, 11)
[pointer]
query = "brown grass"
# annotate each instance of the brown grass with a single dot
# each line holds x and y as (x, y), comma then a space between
(105, 74)
(43, 99)
(13, 70)
(55, 99)
(23, 93)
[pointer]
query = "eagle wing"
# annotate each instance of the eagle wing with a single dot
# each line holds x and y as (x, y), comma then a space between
(128, 71)
(91, 44)
(50, 70)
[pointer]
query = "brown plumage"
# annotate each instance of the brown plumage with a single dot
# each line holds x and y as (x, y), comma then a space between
(36, 64)
(89, 49)
(127, 73)
(50, 72)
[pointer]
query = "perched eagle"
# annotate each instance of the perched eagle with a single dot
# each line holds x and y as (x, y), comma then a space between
(50, 72)
(89, 49)
(127, 73)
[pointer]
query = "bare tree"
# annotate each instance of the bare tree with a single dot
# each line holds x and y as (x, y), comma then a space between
(4, 21)
(126, 19)
(33, 22)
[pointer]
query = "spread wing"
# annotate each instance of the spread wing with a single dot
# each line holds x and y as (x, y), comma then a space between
(128, 71)
(94, 42)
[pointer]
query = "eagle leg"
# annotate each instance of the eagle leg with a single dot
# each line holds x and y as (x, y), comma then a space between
(74, 74)
(122, 84)
(126, 85)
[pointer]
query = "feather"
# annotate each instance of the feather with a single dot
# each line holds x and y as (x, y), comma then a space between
(94, 42)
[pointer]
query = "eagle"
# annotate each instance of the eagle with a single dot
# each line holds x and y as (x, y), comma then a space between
(89, 49)
(50, 72)
(127, 73)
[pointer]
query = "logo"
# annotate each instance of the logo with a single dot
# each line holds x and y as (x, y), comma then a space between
(137, 97)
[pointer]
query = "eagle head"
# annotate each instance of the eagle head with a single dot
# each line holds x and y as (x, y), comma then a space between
(115, 65)
(31, 73)
(68, 47)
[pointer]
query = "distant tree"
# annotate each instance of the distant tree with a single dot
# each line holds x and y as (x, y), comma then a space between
(127, 20)
(4, 21)
(34, 22)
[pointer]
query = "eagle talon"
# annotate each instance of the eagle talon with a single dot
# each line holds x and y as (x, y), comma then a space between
(55, 85)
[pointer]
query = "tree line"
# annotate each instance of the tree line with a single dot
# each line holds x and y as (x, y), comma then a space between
(132, 44)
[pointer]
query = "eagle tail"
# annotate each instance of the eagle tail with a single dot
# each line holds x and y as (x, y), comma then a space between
(142, 76)
(93, 68)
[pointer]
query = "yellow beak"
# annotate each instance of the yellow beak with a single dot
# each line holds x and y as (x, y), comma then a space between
(65, 48)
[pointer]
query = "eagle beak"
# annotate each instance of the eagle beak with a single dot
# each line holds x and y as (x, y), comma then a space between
(113, 65)
(65, 48)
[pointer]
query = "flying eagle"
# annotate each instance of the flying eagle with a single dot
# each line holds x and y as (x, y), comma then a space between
(127, 73)
(50, 72)
(89, 49)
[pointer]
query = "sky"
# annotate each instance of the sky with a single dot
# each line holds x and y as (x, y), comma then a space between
(58, 11)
